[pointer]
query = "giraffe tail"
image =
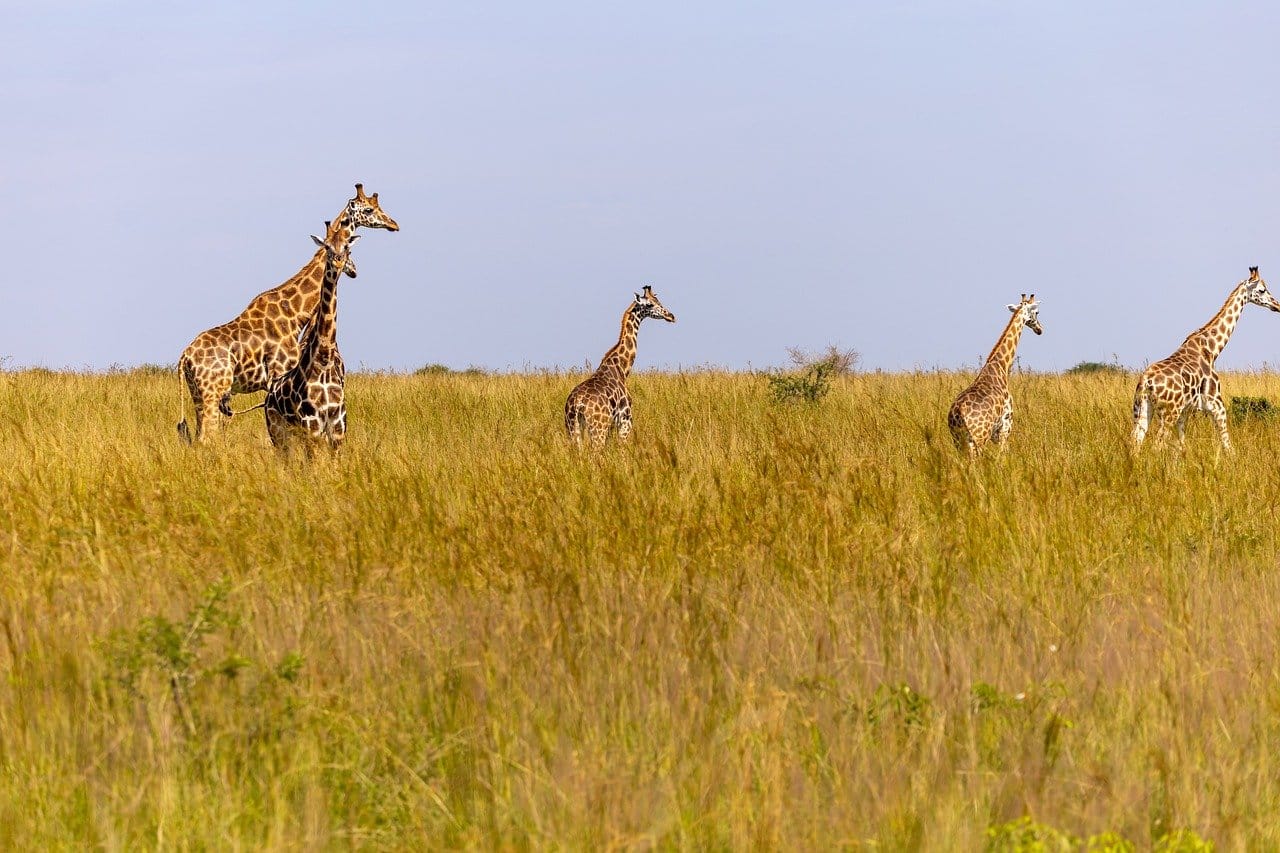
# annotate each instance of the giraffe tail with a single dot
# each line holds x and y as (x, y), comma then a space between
(183, 432)
(1141, 410)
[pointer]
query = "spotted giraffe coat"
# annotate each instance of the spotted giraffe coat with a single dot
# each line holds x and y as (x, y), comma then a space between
(242, 355)
(983, 412)
(601, 403)
(1171, 389)
(306, 404)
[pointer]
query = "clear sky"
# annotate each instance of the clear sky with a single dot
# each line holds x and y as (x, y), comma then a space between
(883, 176)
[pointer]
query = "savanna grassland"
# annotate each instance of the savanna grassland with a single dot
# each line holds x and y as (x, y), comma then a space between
(756, 626)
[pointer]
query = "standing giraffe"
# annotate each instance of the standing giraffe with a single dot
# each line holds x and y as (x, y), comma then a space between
(1185, 382)
(601, 402)
(306, 402)
(984, 411)
(241, 356)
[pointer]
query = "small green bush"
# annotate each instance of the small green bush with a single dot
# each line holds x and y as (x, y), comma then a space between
(1088, 367)
(1245, 408)
(813, 382)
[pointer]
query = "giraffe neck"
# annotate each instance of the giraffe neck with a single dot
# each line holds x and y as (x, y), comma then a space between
(1001, 357)
(1213, 336)
(623, 354)
(310, 279)
(321, 338)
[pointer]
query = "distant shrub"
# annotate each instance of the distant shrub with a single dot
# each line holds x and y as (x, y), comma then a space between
(842, 361)
(445, 370)
(1257, 408)
(1086, 367)
(148, 369)
(814, 381)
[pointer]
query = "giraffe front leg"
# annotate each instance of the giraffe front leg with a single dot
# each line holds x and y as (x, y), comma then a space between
(1003, 427)
(338, 429)
(1218, 411)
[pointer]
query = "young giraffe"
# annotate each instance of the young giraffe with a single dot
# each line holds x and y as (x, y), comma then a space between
(305, 404)
(241, 356)
(1185, 382)
(984, 411)
(601, 402)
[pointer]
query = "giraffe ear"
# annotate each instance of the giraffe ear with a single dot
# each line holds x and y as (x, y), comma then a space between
(637, 297)
(352, 241)
(1012, 308)
(317, 240)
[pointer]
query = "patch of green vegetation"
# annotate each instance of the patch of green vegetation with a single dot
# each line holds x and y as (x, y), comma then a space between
(1092, 367)
(1252, 408)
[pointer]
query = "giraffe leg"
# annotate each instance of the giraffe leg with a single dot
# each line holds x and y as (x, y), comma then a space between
(598, 425)
(1141, 417)
(1218, 411)
(622, 419)
(1003, 427)
(1181, 426)
(338, 429)
(575, 421)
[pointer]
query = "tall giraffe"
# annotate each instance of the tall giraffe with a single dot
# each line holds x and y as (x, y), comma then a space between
(601, 402)
(305, 404)
(241, 356)
(984, 411)
(1186, 382)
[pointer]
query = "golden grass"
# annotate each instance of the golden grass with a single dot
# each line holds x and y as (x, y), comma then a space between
(755, 626)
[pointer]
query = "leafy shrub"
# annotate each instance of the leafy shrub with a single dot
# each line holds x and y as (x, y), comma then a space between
(445, 370)
(1025, 834)
(1089, 367)
(1245, 408)
(174, 654)
(814, 381)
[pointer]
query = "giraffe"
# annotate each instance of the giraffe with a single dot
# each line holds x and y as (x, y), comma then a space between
(241, 356)
(305, 403)
(1185, 382)
(984, 411)
(601, 402)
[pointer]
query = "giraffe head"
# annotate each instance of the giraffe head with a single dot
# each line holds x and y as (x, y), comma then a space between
(1029, 310)
(350, 267)
(363, 211)
(646, 304)
(338, 254)
(1255, 291)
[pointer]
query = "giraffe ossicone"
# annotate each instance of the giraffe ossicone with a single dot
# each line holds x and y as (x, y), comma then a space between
(1171, 389)
(242, 355)
(983, 412)
(600, 403)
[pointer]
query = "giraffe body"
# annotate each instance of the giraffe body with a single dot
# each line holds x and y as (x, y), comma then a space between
(1171, 389)
(242, 356)
(305, 405)
(983, 413)
(600, 403)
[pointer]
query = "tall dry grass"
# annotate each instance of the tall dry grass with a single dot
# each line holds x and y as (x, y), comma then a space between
(755, 626)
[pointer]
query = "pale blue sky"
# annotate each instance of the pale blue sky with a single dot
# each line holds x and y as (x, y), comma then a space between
(881, 176)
